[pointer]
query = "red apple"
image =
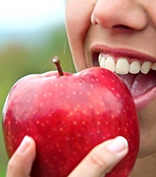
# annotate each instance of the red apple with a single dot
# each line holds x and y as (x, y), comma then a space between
(67, 115)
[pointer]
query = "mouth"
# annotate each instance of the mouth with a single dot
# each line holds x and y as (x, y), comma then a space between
(138, 74)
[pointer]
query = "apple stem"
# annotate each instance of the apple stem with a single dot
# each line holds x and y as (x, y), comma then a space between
(56, 61)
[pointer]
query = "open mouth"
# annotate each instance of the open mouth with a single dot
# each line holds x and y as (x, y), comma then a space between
(138, 75)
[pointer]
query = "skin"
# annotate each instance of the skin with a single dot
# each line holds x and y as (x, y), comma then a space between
(96, 164)
(100, 33)
(129, 24)
(118, 24)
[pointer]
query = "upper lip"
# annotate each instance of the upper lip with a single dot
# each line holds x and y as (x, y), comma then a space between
(121, 52)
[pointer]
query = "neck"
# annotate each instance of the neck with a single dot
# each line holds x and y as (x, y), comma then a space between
(145, 167)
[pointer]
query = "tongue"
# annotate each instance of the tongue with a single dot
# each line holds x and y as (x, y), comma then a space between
(140, 84)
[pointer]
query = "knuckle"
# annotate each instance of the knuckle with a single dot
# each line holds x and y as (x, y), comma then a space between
(98, 159)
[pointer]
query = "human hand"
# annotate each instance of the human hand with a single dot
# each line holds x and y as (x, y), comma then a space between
(21, 162)
(97, 163)
(102, 158)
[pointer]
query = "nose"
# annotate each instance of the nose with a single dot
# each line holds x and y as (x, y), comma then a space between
(119, 14)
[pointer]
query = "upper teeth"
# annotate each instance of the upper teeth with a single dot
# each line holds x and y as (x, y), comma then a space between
(123, 66)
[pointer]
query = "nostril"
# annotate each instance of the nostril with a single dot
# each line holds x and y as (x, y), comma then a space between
(121, 27)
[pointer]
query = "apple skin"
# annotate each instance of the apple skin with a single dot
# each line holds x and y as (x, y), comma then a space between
(67, 116)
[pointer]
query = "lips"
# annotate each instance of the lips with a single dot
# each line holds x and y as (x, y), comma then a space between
(138, 74)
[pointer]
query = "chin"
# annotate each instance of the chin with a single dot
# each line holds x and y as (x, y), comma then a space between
(147, 146)
(144, 153)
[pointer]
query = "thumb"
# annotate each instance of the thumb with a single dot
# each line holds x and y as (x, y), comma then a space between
(102, 158)
(21, 162)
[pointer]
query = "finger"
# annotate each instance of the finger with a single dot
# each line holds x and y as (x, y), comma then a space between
(102, 158)
(21, 162)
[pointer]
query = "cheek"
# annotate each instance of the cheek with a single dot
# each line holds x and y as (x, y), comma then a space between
(74, 19)
(78, 14)
(148, 114)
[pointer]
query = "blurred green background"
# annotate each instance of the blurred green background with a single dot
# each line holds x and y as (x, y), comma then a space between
(27, 46)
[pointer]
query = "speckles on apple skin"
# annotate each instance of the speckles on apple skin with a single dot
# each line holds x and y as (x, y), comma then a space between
(113, 89)
(41, 104)
(91, 85)
(125, 129)
(91, 106)
(112, 117)
(74, 123)
(83, 122)
(60, 129)
(75, 109)
(36, 95)
(61, 85)
(49, 94)
(67, 96)
(98, 123)
(67, 118)
(81, 93)
(44, 95)
(84, 111)
(98, 131)
(98, 112)
(50, 114)
(106, 123)
(28, 129)
(70, 114)
(37, 122)
(61, 93)
(42, 124)
(80, 84)
(28, 100)
(56, 85)
(88, 93)
(74, 93)
(49, 137)
(67, 138)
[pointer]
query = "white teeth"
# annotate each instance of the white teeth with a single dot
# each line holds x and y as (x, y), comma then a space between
(102, 60)
(134, 67)
(146, 66)
(122, 65)
(110, 63)
(153, 66)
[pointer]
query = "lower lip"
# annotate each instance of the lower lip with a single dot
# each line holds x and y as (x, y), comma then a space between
(144, 100)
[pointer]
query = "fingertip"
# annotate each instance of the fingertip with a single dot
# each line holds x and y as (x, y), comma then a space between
(26, 142)
(118, 145)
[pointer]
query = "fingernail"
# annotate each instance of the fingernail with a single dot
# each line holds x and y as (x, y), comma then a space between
(118, 145)
(24, 144)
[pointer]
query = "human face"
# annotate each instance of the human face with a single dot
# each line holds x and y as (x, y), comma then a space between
(119, 29)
